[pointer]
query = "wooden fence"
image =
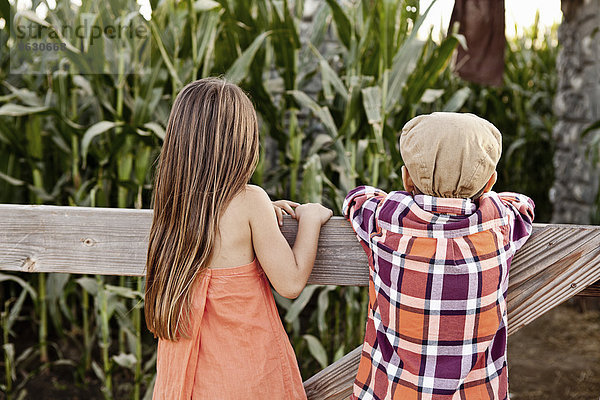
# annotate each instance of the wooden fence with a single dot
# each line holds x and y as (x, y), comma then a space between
(558, 262)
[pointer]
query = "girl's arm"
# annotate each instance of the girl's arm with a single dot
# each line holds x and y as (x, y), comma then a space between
(286, 206)
(287, 268)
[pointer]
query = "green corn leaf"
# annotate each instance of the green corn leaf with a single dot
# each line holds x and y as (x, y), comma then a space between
(149, 392)
(25, 355)
(93, 131)
(344, 168)
(41, 194)
(206, 5)
(422, 18)
(84, 84)
(151, 365)
(207, 33)
(9, 352)
(11, 180)
(339, 353)
(320, 142)
(312, 180)
(319, 25)
(239, 70)
(17, 110)
(125, 360)
(21, 282)
(342, 22)
(322, 307)
(163, 53)
(15, 311)
(26, 96)
(372, 104)
(125, 166)
(431, 70)
(98, 371)
(320, 112)
(142, 164)
(156, 128)
(5, 135)
(89, 284)
(147, 103)
(124, 292)
(113, 305)
(328, 76)
(281, 301)
(285, 43)
(431, 95)
(317, 350)
(516, 144)
(404, 62)
(353, 105)
(55, 285)
(298, 305)
(457, 100)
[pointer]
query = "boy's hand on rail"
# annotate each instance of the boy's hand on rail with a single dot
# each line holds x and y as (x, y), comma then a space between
(284, 206)
(314, 211)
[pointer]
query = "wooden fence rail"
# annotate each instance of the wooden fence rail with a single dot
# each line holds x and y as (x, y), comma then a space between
(558, 262)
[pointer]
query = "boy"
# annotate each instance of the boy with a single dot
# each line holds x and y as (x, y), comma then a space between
(439, 255)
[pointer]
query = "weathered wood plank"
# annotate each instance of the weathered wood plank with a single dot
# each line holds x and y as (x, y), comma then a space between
(113, 241)
(562, 261)
(83, 240)
(591, 291)
(340, 258)
(335, 381)
(558, 262)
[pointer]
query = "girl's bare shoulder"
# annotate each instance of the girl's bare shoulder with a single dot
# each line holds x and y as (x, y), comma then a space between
(255, 201)
(255, 196)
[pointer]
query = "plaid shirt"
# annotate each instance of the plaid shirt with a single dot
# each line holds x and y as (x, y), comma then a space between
(437, 321)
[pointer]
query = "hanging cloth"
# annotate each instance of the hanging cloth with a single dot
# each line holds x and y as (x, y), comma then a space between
(481, 22)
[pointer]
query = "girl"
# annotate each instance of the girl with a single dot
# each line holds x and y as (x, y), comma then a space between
(213, 240)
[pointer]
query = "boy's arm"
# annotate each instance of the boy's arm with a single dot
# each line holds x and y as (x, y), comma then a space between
(521, 208)
(359, 208)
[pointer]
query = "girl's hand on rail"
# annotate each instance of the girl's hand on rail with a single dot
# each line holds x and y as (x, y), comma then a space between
(284, 206)
(313, 211)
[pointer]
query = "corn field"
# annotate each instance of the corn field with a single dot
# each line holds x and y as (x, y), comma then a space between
(331, 94)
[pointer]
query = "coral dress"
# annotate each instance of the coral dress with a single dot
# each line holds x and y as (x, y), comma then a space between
(238, 347)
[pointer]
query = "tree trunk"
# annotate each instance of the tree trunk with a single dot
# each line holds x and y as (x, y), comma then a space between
(577, 105)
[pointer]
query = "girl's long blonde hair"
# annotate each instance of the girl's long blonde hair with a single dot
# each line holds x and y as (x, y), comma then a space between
(208, 156)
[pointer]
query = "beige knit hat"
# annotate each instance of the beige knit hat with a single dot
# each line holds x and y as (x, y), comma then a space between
(450, 154)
